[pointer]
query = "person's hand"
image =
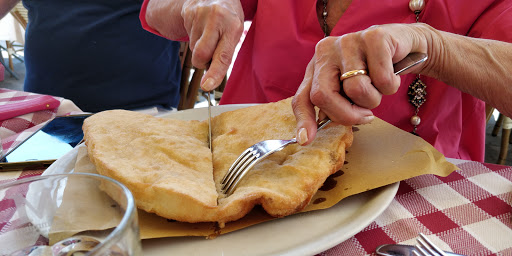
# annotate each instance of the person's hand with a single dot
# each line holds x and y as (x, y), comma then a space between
(350, 101)
(214, 28)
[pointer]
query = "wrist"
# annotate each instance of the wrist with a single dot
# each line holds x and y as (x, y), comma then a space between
(163, 17)
(429, 41)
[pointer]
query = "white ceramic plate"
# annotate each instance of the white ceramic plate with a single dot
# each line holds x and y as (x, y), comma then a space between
(301, 234)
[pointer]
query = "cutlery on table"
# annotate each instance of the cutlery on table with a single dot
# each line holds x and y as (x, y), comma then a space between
(424, 247)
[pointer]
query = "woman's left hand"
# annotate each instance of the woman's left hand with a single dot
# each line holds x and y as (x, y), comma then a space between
(350, 101)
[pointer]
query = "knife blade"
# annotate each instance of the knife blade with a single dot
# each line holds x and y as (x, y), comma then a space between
(209, 122)
(409, 61)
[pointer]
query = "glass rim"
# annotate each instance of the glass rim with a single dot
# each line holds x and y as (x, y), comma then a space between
(123, 224)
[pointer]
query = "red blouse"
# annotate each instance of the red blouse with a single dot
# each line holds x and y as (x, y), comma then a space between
(272, 60)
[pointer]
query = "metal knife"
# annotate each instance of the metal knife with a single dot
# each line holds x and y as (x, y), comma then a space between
(409, 61)
(209, 122)
(208, 97)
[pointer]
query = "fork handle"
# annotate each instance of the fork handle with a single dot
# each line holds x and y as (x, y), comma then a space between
(411, 60)
(324, 122)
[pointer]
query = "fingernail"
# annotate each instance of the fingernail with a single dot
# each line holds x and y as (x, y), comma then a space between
(208, 85)
(367, 119)
(302, 136)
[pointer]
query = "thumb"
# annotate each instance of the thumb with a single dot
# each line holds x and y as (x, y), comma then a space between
(304, 110)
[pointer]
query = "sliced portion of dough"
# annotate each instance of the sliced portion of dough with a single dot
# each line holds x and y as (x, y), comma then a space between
(167, 164)
(285, 182)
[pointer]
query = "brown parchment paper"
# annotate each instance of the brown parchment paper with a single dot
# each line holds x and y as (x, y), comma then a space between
(83, 203)
(380, 155)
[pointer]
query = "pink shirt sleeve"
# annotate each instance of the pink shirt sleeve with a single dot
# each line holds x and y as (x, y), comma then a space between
(495, 23)
(249, 7)
(142, 17)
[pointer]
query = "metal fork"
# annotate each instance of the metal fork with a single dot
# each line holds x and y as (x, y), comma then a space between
(252, 156)
(410, 250)
(425, 247)
(261, 150)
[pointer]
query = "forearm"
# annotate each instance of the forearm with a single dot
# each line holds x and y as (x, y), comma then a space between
(479, 67)
(6, 6)
(165, 17)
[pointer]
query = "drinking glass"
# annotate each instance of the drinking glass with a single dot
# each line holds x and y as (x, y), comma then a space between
(68, 214)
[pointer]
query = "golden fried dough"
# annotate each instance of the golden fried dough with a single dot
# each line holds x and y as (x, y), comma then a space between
(168, 166)
(165, 163)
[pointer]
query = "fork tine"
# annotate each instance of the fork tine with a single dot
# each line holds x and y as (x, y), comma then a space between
(234, 166)
(237, 170)
(247, 160)
(423, 249)
(242, 172)
(432, 245)
(426, 245)
(420, 252)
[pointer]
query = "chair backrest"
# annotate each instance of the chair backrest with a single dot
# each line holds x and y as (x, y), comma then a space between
(191, 80)
(488, 112)
(20, 13)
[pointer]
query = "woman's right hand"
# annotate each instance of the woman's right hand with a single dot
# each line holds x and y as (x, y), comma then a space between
(214, 28)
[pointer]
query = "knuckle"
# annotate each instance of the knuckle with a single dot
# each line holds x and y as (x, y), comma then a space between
(318, 97)
(224, 58)
(325, 44)
(297, 108)
(223, 15)
(356, 89)
(216, 13)
(348, 39)
(372, 34)
(385, 84)
(295, 104)
(238, 28)
(345, 38)
(382, 80)
(304, 113)
(199, 58)
(320, 46)
(300, 113)
(186, 11)
(364, 95)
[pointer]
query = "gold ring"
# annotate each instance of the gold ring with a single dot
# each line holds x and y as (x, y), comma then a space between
(352, 73)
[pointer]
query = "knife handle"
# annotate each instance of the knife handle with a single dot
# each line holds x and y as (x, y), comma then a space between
(411, 60)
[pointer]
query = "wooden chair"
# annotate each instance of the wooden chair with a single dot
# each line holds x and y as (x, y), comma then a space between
(191, 80)
(488, 112)
(505, 124)
(20, 14)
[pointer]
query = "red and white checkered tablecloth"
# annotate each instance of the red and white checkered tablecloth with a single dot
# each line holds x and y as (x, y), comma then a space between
(23, 113)
(469, 212)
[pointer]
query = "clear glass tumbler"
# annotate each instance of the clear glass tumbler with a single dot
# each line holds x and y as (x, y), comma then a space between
(68, 214)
